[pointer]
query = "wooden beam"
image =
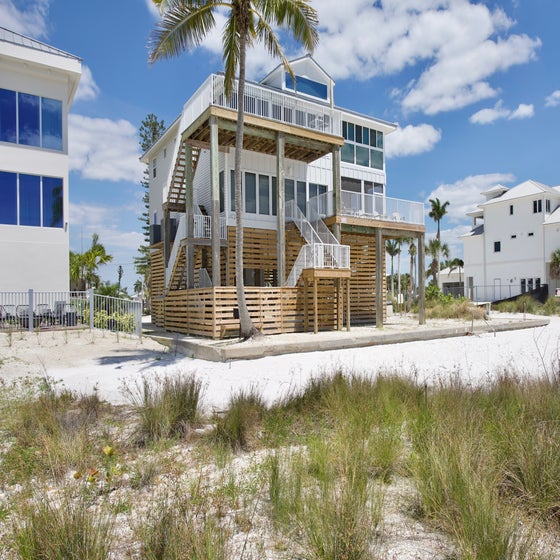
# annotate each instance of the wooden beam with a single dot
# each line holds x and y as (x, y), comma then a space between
(315, 310)
(348, 318)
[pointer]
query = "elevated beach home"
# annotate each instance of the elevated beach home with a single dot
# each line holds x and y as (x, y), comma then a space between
(316, 214)
(37, 86)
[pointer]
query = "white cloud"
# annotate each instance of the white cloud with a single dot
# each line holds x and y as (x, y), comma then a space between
(522, 112)
(87, 89)
(104, 149)
(460, 44)
(464, 195)
(411, 140)
(488, 116)
(553, 100)
(31, 20)
(152, 8)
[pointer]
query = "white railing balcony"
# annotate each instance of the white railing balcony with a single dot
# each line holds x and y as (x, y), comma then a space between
(266, 102)
(326, 255)
(370, 206)
(203, 227)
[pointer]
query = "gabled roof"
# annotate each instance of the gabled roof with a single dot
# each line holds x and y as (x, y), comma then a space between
(478, 230)
(527, 188)
(495, 191)
(296, 62)
(553, 218)
(14, 38)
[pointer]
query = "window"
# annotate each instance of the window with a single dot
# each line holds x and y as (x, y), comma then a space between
(28, 123)
(523, 285)
(154, 168)
(30, 120)
(264, 194)
(274, 197)
(530, 284)
(289, 189)
(250, 193)
(497, 246)
(511, 209)
(514, 236)
(537, 206)
(530, 234)
(8, 116)
(8, 198)
(307, 86)
(363, 146)
(547, 205)
(349, 184)
(51, 124)
(537, 283)
(302, 196)
(31, 200)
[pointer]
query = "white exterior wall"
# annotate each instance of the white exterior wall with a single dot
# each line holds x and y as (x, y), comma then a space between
(37, 257)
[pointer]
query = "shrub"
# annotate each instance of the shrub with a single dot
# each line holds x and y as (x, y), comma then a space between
(167, 406)
(48, 530)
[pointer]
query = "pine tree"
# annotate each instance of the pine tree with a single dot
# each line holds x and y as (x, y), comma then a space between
(151, 129)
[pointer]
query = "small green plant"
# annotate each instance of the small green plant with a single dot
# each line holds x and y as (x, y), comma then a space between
(63, 527)
(167, 406)
(238, 428)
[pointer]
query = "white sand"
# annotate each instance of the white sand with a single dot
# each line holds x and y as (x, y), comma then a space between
(82, 361)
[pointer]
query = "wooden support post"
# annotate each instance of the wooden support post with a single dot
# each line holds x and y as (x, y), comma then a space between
(305, 307)
(215, 201)
(336, 189)
(315, 310)
(280, 209)
(339, 304)
(379, 271)
(166, 234)
(348, 318)
(189, 211)
(421, 280)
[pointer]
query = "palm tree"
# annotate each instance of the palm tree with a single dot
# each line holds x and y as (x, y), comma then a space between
(412, 249)
(95, 256)
(184, 25)
(437, 212)
(435, 248)
(393, 249)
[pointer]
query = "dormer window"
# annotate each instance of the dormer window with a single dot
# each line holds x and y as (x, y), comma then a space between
(307, 86)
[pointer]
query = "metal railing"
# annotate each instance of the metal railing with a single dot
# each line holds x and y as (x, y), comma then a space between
(34, 310)
(203, 227)
(294, 214)
(373, 206)
(493, 292)
(319, 255)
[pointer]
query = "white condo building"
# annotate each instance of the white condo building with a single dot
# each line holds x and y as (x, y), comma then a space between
(37, 86)
(514, 232)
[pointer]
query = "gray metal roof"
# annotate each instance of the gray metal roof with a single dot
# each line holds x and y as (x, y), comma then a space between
(17, 39)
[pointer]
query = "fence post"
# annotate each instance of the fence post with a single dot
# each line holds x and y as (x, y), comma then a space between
(138, 317)
(91, 308)
(30, 317)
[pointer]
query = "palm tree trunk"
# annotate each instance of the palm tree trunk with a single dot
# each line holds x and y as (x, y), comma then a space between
(399, 307)
(246, 328)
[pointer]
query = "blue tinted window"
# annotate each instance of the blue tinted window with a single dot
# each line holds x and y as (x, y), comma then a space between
(29, 200)
(7, 116)
(307, 86)
(52, 202)
(264, 194)
(347, 153)
(28, 110)
(376, 160)
(289, 189)
(51, 123)
(301, 196)
(8, 198)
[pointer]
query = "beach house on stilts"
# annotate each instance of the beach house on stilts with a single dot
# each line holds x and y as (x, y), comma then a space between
(316, 214)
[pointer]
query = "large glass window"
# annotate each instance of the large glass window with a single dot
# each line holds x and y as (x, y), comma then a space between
(29, 200)
(30, 120)
(8, 116)
(376, 160)
(289, 189)
(250, 193)
(28, 113)
(52, 202)
(8, 198)
(307, 86)
(51, 123)
(347, 153)
(363, 145)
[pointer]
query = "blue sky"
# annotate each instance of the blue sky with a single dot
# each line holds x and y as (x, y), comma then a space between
(474, 87)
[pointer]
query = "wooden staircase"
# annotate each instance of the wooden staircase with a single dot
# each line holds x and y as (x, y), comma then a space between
(177, 188)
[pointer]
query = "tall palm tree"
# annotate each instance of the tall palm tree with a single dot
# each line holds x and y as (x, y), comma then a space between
(184, 25)
(412, 250)
(437, 212)
(393, 249)
(435, 248)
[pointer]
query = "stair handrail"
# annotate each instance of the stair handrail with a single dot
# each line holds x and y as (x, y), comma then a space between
(181, 234)
(294, 214)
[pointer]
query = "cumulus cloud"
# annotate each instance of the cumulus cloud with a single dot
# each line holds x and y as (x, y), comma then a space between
(87, 89)
(488, 116)
(103, 149)
(553, 100)
(464, 195)
(29, 20)
(411, 140)
(459, 44)
(152, 8)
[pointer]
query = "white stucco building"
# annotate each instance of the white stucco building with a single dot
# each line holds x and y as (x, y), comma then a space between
(37, 85)
(508, 250)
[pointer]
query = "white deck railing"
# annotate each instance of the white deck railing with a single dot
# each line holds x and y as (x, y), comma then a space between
(203, 227)
(264, 102)
(372, 206)
(319, 255)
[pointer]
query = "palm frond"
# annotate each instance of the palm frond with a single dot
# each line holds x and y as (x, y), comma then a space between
(231, 50)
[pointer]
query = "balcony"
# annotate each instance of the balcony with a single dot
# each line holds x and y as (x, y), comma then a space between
(265, 102)
(367, 206)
